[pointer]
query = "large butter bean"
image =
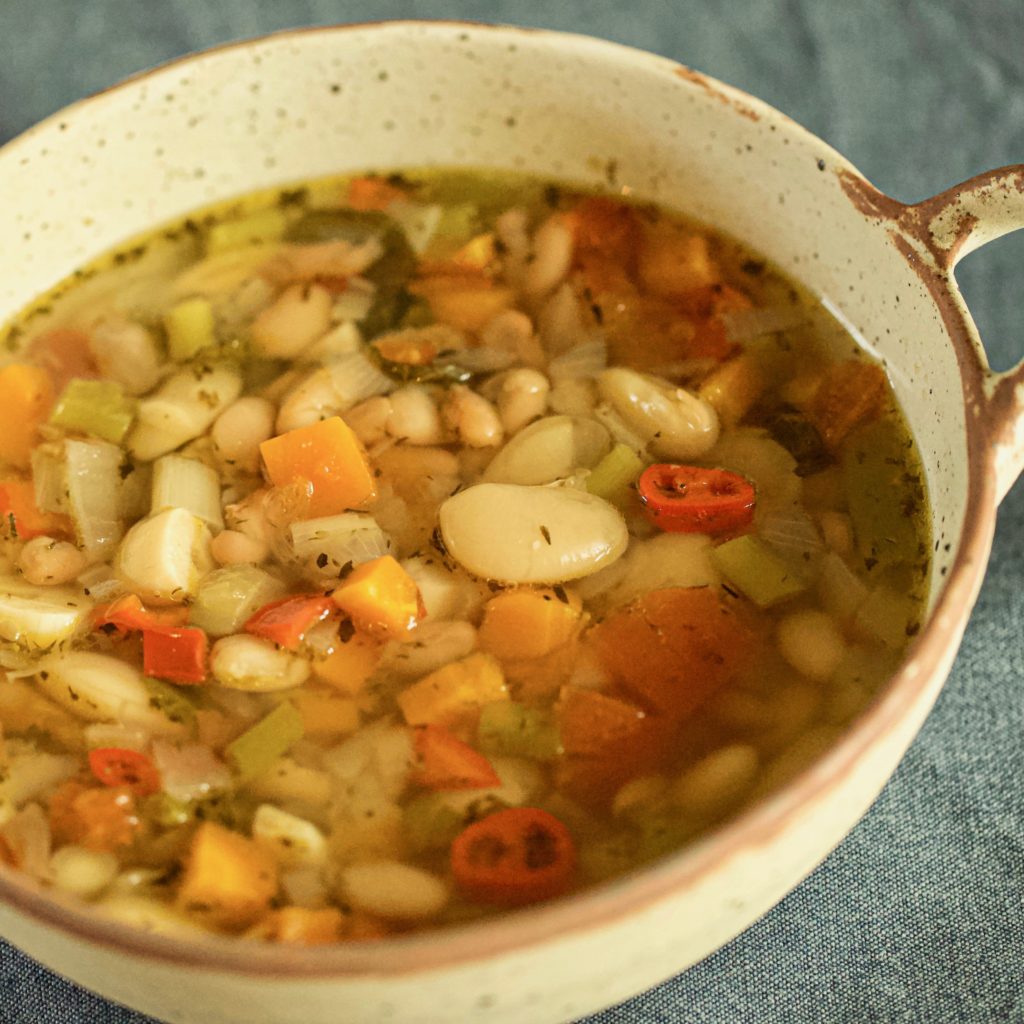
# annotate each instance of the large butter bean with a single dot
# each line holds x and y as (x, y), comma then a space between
(674, 423)
(549, 449)
(520, 534)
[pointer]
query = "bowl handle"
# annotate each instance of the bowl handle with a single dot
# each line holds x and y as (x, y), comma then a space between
(953, 224)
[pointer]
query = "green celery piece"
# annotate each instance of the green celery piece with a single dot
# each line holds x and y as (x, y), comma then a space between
(507, 727)
(271, 737)
(612, 478)
(171, 701)
(227, 597)
(756, 571)
(885, 494)
(167, 811)
(430, 823)
(97, 407)
(263, 226)
(190, 327)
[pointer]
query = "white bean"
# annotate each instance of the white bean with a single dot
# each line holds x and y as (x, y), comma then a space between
(716, 783)
(548, 450)
(369, 419)
(552, 256)
(240, 429)
(293, 840)
(301, 314)
(231, 547)
(249, 517)
(82, 872)
(48, 562)
(127, 352)
(394, 890)
(474, 418)
(414, 416)
(511, 330)
(573, 397)
(244, 662)
(531, 534)
(673, 422)
(811, 642)
(522, 397)
(429, 646)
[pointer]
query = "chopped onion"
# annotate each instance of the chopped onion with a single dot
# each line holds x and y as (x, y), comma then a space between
(583, 362)
(418, 220)
(324, 547)
(93, 480)
(179, 482)
(190, 772)
(483, 359)
(356, 301)
(792, 531)
(48, 478)
(743, 325)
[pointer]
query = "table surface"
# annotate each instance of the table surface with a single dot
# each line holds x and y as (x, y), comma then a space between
(919, 914)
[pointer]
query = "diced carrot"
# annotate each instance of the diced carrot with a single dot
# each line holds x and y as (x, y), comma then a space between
(178, 655)
(528, 623)
(350, 664)
(26, 397)
(445, 762)
(539, 679)
(468, 302)
(604, 227)
(595, 723)
(128, 614)
(454, 694)
(851, 394)
(327, 454)
(381, 598)
(644, 332)
(406, 348)
(371, 193)
(229, 880)
(325, 712)
(21, 516)
(287, 621)
(674, 261)
(301, 926)
(475, 257)
(98, 818)
(673, 648)
(65, 353)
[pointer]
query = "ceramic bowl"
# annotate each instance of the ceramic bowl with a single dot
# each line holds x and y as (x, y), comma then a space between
(309, 103)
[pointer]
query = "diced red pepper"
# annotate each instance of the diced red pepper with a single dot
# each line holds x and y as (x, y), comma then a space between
(287, 621)
(115, 766)
(128, 614)
(694, 499)
(445, 762)
(512, 857)
(178, 655)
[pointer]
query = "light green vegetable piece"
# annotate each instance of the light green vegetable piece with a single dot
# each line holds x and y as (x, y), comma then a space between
(429, 822)
(271, 737)
(228, 597)
(265, 226)
(97, 407)
(171, 701)
(190, 327)
(612, 478)
(507, 727)
(756, 571)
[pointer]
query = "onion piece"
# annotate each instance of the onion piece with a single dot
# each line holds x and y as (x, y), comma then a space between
(190, 772)
(584, 362)
(742, 325)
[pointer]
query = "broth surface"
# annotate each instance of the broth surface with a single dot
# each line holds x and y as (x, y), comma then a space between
(394, 550)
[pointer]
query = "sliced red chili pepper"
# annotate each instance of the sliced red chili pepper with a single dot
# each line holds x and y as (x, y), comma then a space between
(512, 857)
(693, 499)
(127, 614)
(175, 654)
(115, 766)
(445, 762)
(287, 621)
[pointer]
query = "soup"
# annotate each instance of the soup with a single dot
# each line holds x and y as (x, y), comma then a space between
(396, 550)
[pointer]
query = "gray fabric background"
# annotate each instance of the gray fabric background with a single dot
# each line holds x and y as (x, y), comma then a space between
(919, 915)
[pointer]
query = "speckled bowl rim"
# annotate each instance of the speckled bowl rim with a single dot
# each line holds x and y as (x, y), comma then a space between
(627, 895)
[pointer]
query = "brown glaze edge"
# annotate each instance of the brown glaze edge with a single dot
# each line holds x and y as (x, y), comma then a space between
(397, 957)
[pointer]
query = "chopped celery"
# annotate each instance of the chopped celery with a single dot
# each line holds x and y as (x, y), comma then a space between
(430, 823)
(890, 615)
(884, 496)
(264, 226)
(93, 486)
(271, 737)
(167, 811)
(49, 478)
(507, 727)
(190, 328)
(171, 701)
(612, 478)
(757, 572)
(228, 597)
(98, 407)
(180, 482)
